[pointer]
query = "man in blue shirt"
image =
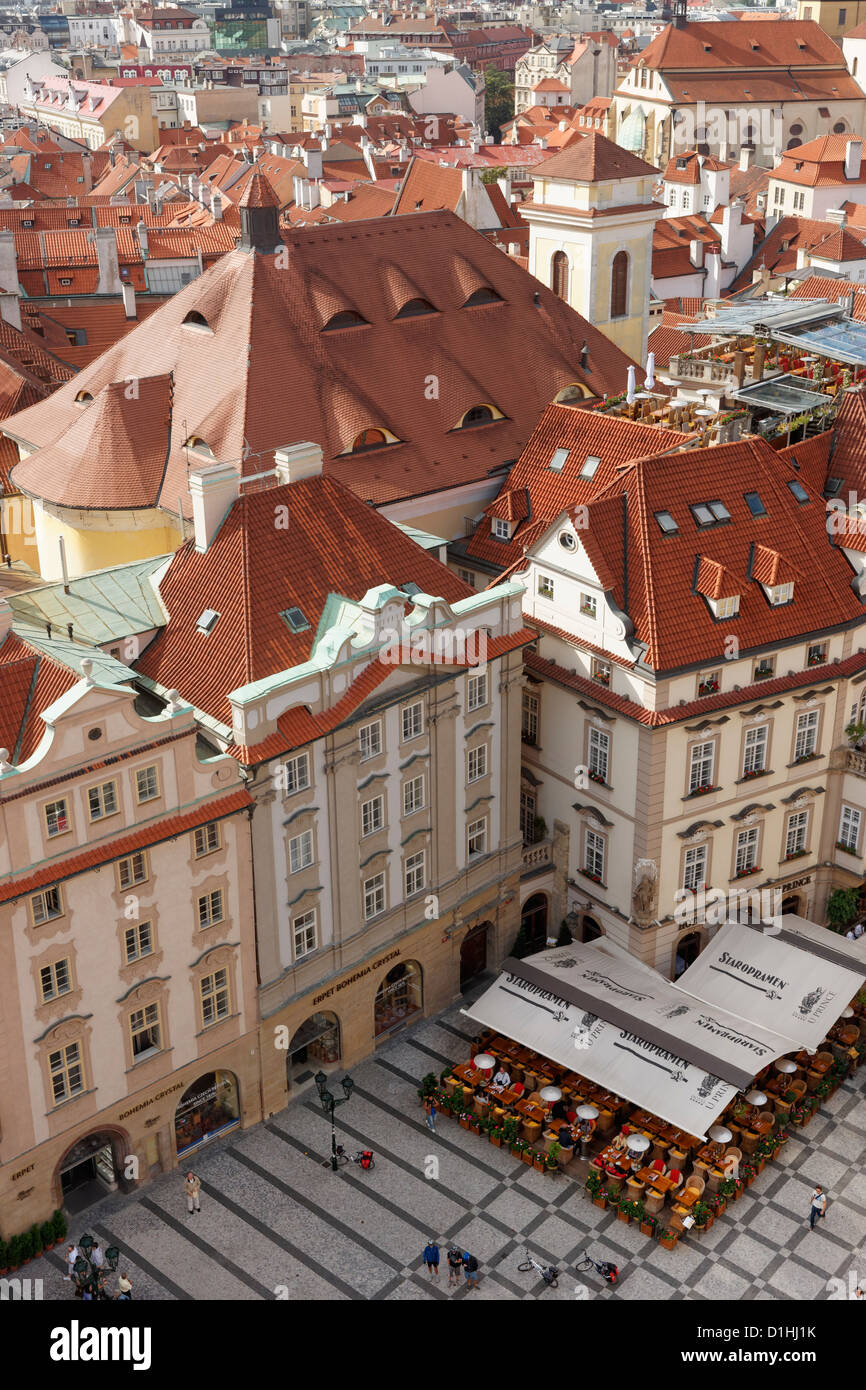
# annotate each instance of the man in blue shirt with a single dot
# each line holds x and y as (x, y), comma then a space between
(431, 1258)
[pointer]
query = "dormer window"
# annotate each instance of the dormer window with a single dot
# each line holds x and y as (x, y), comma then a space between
(725, 607)
(416, 308)
(501, 529)
(484, 295)
(682, 164)
(196, 320)
(600, 670)
(779, 593)
(479, 415)
(709, 683)
(348, 318)
(207, 622)
(372, 439)
(83, 398)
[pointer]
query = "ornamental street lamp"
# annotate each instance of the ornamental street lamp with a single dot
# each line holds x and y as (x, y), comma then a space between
(90, 1273)
(329, 1105)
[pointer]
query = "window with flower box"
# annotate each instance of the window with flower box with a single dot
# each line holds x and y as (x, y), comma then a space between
(755, 751)
(701, 764)
(56, 818)
(795, 834)
(709, 682)
(763, 668)
(817, 654)
(545, 586)
(806, 735)
(589, 605)
(746, 852)
(600, 670)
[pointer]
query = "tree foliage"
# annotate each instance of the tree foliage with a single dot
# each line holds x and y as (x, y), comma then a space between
(498, 100)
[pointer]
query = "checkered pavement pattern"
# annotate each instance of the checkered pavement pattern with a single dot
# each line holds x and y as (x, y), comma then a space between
(276, 1223)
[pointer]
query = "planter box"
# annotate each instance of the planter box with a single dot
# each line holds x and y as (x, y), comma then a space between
(600, 1202)
(527, 1158)
(646, 1229)
(496, 1140)
(540, 1164)
(668, 1242)
(623, 1215)
(465, 1124)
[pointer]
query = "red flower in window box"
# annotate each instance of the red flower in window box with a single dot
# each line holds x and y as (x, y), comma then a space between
(708, 687)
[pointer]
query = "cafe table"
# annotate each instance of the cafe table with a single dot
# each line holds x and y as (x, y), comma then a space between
(530, 1111)
(688, 1197)
(654, 1179)
(470, 1075)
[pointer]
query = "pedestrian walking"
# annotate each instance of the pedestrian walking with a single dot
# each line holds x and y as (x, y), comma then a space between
(455, 1265)
(71, 1257)
(430, 1107)
(819, 1207)
(97, 1259)
(431, 1258)
(470, 1265)
(124, 1288)
(193, 1186)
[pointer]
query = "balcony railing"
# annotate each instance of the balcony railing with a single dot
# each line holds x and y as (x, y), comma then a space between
(856, 762)
(537, 856)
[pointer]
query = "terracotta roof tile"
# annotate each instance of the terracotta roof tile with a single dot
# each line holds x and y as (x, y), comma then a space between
(593, 158)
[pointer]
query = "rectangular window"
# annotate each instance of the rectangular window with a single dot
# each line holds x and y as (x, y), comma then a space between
(501, 529)
(54, 979)
(210, 908)
(374, 896)
(795, 836)
(468, 577)
(806, 737)
(67, 1076)
(296, 774)
(545, 586)
(300, 851)
(304, 933)
(755, 750)
(413, 796)
(695, 868)
(207, 839)
(102, 801)
(46, 905)
(709, 682)
(476, 838)
(415, 873)
(849, 828)
(372, 815)
(146, 784)
(593, 854)
(588, 605)
(701, 762)
(476, 692)
(529, 717)
(131, 870)
(817, 654)
(764, 668)
(781, 593)
(138, 942)
(600, 670)
(412, 720)
(56, 818)
(746, 851)
(215, 997)
(144, 1030)
(599, 754)
(476, 763)
(370, 739)
(728, 607)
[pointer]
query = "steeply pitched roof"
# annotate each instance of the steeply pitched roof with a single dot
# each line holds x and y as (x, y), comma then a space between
(264, 322)
(592, 159)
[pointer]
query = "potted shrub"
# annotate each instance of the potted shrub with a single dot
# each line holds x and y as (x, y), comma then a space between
(26, 1248)
(624, 1211)
(496, 1136)
(648, 1222)
(717, 1204)
(46, 1231)
(517, 1147)
(666, 1238)
(539, 1160)
(60, 1228)
(594, 1187)
(728, 1190)
(35, 1241)
(4, 1258)
(552, 1160)
(703, 1217)
(747, 1173)
(509, 1130)
(429, 1086)
(528, 1155)
(465, 1119)
(13, 1253)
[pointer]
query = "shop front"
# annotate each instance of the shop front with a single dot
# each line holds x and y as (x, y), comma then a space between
(88, 1171)
(208, 1107)
(314, 1045)
(399, 998)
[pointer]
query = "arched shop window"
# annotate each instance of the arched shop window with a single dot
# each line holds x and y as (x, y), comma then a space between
(399, 996)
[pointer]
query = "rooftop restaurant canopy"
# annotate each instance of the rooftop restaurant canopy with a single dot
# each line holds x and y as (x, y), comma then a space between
(621, 1025)
(810, 325)
(786, 394)
(796, 982)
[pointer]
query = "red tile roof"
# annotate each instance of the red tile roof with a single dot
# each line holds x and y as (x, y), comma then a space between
(266, 316)
(428, 187)
(699, 46)
(822, 161)
(154, 833)
(592, 159)
(29, 683)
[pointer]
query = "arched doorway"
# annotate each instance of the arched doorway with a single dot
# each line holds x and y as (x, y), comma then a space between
(473, 953)
(591, 931)
(792, 903)
(559, 274)
(208, 1107)
(399, 996)
(687, 951)
(533, 922)
(91, 1169)
(315, 1043)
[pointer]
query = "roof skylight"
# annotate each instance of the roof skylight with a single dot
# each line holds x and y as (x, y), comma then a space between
(590, 464)
(754, 504)
(207, 622)
(558, 460)
(667, 523)
(798, 490)
(294, 619)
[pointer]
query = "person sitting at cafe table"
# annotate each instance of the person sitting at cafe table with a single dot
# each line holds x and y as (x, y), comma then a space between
(564, 1137)
(502, 1078)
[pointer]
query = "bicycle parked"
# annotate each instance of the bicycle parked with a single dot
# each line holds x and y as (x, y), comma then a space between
(364, 1158)
(608, 1271)
(549, 1273)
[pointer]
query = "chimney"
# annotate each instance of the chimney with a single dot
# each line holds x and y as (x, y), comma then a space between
(853, 156)
(129, 302)
(745, 158)
(836, 215)
(106, 256)
(296, 461)
(87, 171)
(9, 271)
(141, 230)
(216, 205)
(313, 161)
(696, 252)
(213, 490)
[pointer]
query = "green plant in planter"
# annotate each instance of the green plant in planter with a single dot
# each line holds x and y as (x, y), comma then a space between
(510, 1129)
(46, 1231)
(636, 1210)
(842, 904)
(4, 1256)
(444, 1075)
(26, 1246)
(593, 1183)
(701, 1213)
(727, 1187)
(429, 1085)
(553, 1154)
(36, 1240)
(58, 1221)
(13, 1252)
(519, 1146)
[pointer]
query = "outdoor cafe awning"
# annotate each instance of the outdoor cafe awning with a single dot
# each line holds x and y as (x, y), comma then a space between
(626, 1028)
(796, 983)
